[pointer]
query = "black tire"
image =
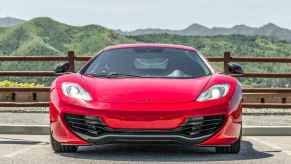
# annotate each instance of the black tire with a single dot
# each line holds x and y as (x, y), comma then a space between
(232, 149)
(59, 148)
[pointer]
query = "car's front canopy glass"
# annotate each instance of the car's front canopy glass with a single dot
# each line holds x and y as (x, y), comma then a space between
(148, 62)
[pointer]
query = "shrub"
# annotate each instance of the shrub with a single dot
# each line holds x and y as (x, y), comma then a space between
(7, 83)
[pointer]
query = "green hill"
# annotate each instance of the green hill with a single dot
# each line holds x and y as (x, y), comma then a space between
(44, 36)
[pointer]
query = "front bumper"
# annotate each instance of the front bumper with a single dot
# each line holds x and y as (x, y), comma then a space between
(225, 133)
(193, 131)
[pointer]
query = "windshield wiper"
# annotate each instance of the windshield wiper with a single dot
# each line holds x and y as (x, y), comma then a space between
(111, 75)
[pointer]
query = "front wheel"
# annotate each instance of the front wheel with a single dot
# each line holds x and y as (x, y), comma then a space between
(59, 148)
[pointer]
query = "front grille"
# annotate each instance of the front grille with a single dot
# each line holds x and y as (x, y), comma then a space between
(202, 126)
(194, 127)
(86, 125)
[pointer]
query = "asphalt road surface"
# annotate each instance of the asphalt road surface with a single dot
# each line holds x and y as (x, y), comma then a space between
(28, 149)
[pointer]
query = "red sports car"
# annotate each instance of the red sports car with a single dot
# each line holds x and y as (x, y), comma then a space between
(148, 93)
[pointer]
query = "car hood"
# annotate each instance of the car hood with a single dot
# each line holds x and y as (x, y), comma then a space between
(144, 90)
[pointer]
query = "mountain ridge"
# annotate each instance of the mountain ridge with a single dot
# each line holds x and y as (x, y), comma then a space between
(46, 36)
(10, 21)
(268, 30)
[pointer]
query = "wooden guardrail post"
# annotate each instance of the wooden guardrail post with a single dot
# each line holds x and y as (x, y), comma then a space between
(226, 61)
(71, 60)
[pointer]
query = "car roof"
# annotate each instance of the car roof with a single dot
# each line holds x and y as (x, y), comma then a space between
(154, 45)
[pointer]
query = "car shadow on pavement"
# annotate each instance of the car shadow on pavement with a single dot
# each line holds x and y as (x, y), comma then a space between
(164, 153)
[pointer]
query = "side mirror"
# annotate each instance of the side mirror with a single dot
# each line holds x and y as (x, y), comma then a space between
(235, 69)
(62, 68)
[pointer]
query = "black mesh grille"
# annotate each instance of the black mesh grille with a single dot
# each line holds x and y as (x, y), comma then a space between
(86, 125)
(195, 127)
(202, 126)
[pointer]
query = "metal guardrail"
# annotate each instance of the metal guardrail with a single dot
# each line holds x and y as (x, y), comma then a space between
(254, 93)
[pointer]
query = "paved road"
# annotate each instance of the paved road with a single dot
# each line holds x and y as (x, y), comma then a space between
(19, 149)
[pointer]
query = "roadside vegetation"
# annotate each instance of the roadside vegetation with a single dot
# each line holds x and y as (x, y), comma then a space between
(7, 84)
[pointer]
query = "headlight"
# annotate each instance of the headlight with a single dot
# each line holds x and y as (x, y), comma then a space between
(76, 91)
(214, 92)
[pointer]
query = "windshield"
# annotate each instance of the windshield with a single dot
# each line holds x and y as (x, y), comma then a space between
(148, 62)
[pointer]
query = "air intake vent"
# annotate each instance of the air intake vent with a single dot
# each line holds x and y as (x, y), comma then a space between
(199, 128)
(202, 126)
(87, 125)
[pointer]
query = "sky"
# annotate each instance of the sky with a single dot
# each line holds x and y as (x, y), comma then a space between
(169, 14)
